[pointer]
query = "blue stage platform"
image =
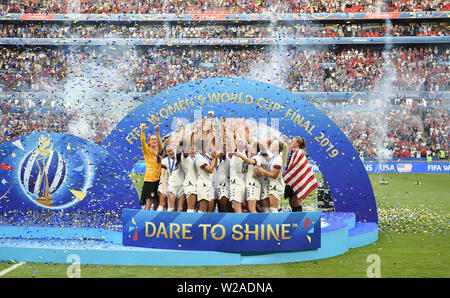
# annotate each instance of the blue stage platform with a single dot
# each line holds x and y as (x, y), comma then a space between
(340, 232)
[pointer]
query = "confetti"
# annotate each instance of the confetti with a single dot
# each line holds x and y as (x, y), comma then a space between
(421, 219)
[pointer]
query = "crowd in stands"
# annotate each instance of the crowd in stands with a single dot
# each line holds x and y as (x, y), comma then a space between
(406, 134)
(402, 130)
(19, 119)
(436, 125)
(347, 70)
(163, 68)
(225, 30)
(410, 131)
(155, 69)
(230, 6)
(22, 69)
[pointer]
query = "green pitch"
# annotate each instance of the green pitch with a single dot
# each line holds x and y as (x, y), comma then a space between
(413, 219)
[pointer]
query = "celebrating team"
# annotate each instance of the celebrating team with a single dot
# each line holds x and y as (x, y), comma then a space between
(186, 172)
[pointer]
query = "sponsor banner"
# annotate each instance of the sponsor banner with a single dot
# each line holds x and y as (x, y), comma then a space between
(400, 167)
(230, 232)
(37, 17)
(395, 167)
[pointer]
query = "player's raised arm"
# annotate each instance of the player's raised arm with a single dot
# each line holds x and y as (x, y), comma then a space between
(158, 139)
(145, 147)
(210, 168)
(245, 158)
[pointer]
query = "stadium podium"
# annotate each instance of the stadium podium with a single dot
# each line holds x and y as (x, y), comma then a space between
(339, 233)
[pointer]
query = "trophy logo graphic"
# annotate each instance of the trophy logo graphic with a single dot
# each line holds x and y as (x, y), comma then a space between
(42, 172)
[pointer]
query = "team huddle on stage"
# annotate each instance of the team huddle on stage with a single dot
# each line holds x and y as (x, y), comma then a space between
(215, 166)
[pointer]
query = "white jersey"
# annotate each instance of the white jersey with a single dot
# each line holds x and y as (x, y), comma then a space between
(264, 161)
(222, 172)
(189, 169)
(164, 165)
(238, 168)
(263, 179)
(278, 183)
(204, 179)
(174, 171)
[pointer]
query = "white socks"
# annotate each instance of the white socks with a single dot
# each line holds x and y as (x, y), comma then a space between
(270, 210)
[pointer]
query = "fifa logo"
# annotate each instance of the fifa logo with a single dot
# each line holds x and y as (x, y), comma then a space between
(133, 229)
(53, 171)
(42, 172)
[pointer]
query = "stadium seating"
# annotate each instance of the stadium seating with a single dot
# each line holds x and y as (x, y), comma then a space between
(417, 123)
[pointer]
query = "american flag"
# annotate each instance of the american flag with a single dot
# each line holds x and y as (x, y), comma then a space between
(299, 175)
(404, 168)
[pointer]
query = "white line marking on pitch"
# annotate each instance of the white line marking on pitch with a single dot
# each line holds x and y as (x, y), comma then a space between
(11, 268)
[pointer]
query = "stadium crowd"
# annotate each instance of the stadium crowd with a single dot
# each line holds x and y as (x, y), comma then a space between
(22, 69)
(158, 68)
(412, 129)
(407, 132)
(226, 30)
(19, 119)
(347, 70)
(230, 6)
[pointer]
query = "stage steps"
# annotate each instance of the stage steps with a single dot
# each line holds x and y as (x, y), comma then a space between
(340, 232)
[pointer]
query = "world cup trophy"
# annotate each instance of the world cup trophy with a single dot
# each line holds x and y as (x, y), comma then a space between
(42, 172)
(44, 150)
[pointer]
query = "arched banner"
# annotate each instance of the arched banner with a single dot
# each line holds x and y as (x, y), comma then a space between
(327, 145)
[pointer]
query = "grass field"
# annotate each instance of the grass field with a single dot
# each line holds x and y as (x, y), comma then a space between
(413, 242)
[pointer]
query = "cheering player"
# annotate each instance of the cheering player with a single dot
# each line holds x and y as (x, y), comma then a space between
(152, 155)
(274, 172)
(299, 176)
